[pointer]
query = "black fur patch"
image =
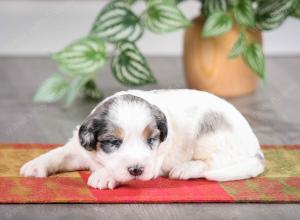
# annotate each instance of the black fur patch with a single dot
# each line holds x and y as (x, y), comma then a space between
(89, 131)
(161, 122)
(94, 126)
(212, 121)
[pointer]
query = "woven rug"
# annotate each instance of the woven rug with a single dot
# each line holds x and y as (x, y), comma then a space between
(279, 183)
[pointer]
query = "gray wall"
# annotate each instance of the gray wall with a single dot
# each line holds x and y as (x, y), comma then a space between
(41, 27)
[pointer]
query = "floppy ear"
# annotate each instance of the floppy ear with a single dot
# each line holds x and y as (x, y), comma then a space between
(94, 126)
(89, 131)
(161, 122)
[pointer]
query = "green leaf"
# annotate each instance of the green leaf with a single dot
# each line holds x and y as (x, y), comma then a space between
(75, 88)
(117, 22)
(52, 89)
(244, 13)
(254, 57)
(163, 17)
(130, 67)
(216, 24)
(238, 46)
(211, 6)
(297, 13)
(233, 2)
(130, 2)
(83, 56)
(171, 2)
(91, 90)
(272, 13)
(296, 9)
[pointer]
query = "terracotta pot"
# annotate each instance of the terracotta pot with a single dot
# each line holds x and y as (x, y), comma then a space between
(207, 66)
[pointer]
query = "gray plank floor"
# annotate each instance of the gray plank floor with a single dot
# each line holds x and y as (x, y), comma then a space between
(273, 112)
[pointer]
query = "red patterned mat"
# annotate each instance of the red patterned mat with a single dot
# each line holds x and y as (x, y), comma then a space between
(279, 183)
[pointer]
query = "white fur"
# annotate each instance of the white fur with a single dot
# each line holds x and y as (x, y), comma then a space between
(227, 154)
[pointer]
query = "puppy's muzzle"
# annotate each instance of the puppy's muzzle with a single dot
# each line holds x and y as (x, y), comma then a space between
(135, 170)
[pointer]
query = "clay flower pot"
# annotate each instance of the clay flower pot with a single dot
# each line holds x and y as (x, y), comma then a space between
(207, 66)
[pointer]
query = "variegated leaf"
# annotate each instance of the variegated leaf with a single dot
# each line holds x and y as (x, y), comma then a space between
(238, 46)
(254, 57)
(244, 13)
(162, 17)
(75, 88)
(217, 23)
(52, 89)
(91, 90)
(272, 13)
(83, 56)
(211, 6)
(117, 22)
(130, 67)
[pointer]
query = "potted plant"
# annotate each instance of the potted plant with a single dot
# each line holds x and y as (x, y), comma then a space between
(227, 59)
(222, 46)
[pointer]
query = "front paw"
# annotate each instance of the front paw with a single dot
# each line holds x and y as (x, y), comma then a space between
(100, 179)
(34, 168)
(188, 170)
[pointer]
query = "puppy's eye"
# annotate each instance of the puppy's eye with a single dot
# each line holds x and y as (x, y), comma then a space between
(112, 143)
(151, 141)
(116, 142)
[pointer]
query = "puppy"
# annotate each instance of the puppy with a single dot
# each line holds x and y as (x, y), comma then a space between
(182, 134)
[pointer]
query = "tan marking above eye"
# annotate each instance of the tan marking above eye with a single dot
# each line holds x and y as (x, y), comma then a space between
(118, 133)
(147, 132)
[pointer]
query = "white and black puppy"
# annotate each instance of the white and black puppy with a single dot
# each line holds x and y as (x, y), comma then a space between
(182, 134)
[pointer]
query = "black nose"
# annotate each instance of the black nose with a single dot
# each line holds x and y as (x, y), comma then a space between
(135, 170)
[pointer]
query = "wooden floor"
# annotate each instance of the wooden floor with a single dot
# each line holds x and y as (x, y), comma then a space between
(273, 112)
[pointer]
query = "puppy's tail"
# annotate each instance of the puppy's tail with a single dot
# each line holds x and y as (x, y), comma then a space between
(249, 168)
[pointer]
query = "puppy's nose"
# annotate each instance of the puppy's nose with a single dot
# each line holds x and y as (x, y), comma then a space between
(135, 170)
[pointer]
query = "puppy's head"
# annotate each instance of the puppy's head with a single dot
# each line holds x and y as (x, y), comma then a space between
(124, 134)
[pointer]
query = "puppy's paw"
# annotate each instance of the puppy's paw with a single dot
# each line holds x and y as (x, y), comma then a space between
(100, 179)
(188, 170)
(34, 168)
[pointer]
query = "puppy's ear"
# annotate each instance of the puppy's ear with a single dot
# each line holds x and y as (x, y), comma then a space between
(95, 125)
(88, 133)
(161, 122)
